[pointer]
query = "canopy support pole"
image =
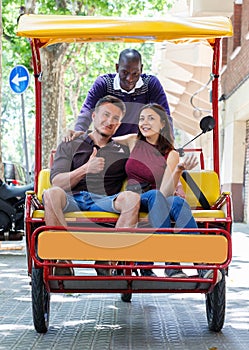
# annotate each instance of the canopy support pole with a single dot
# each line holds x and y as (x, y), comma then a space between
(215, 97)
(35, 47)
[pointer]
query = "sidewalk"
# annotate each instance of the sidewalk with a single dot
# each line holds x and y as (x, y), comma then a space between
(104, 322)
(240, 227)
(13, 246)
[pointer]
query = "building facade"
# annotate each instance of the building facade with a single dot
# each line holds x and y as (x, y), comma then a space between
(234, 98)
(234, 112)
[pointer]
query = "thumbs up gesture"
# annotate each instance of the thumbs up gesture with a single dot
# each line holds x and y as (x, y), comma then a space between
(95, 164)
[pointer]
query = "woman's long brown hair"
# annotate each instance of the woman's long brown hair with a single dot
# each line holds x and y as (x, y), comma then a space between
(165, 142)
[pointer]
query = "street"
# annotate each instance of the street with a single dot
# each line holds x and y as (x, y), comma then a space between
(103, 321)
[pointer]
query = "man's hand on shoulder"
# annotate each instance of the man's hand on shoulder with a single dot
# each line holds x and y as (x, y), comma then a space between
(71, 135)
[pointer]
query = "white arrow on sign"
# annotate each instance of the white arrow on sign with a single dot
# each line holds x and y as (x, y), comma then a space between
(16, 80)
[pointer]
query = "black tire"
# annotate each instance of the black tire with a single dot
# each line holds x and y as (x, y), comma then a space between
(40, 301)
(215, 305)
(5, 222)
(126, 297)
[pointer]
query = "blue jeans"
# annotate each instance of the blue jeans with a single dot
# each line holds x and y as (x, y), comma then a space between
(87, 201)
(162, 210)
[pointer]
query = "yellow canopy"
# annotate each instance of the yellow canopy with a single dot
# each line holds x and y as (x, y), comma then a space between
(52, 29)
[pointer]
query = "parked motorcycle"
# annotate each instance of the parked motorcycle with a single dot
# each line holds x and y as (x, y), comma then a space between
(12, 206)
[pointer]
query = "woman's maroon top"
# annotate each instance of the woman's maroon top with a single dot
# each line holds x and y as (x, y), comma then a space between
(145, 164)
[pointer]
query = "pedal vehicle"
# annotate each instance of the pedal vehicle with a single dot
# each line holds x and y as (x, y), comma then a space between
(91, 236)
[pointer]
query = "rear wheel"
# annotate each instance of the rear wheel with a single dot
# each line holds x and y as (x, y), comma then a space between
(215, 305)
(40, 301)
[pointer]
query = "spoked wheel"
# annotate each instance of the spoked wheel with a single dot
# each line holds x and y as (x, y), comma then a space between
(40, 301)
(215, 305)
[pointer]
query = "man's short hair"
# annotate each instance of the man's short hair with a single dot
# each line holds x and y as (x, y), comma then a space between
(130, 54)
(113, 100)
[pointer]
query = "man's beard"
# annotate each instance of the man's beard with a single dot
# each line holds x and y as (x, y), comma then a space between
(102, 133)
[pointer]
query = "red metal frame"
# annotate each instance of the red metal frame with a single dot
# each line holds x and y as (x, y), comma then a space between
(35, 48)
(215, 91)
(31, 223)
(128, 266)
(198, 150)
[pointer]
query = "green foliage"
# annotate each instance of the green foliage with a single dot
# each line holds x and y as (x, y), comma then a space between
(12, 125)
(15, 50)
(100, 58)
(104, 7)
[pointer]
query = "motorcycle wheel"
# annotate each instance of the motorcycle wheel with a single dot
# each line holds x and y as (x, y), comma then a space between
(20, 215)
(5, 223)
(40, 301)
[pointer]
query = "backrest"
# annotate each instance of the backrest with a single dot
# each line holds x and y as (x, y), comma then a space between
(208, 182)
(43, 182)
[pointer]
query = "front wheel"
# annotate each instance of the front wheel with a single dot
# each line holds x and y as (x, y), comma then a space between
(215, 305)
(40, 301)
(126, 297)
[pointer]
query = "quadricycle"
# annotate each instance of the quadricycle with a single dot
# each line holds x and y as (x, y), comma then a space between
(91, 237)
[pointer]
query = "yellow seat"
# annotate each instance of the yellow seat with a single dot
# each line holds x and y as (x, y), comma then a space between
(44, 184)
(207, 181)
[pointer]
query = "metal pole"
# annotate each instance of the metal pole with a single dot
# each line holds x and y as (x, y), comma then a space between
(36, 60)
(215, 97)
(25, 139)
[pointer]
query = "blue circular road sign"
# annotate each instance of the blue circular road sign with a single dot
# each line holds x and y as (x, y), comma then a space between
(19, 79)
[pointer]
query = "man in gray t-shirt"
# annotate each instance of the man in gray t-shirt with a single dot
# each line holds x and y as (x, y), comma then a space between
(88, 172)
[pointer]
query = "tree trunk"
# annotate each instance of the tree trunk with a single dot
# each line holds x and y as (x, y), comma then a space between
(53, 100)
(61, 125)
